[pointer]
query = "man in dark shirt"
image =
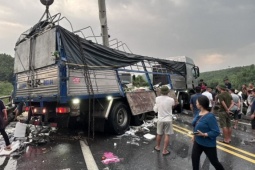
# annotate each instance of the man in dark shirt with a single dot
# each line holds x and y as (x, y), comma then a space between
(227, 83)
(201, 82)
(226, 102)
(193, 100)
(3, 118)
(202, 85)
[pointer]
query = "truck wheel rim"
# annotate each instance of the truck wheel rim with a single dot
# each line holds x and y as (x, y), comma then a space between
(121, 117)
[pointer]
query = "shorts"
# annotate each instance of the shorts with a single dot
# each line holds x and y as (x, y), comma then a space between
(236, 115)
(224, 119)
(253, 124)
(165, 127)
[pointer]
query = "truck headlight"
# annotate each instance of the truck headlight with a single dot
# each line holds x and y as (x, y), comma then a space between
(76, 101)
(109, 97)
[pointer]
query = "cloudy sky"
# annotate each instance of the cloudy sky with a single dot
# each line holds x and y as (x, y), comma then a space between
(216, 34)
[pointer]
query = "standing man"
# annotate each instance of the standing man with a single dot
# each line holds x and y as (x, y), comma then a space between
(163, 107)
(227, 83)
(193, 100)
(253, 117)
(236, 107)
(226, 102)
(202, 85)
(3, 118)
(208, 94)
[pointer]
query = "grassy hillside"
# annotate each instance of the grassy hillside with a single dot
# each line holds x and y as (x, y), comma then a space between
(237, 76)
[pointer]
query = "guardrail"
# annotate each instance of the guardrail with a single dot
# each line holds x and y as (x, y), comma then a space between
(8, 100)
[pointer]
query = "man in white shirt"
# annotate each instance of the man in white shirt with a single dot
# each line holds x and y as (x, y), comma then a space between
(163, 107)
(208, 94)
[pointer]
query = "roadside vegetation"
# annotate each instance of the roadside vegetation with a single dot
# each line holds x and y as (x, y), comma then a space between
(237, 76)
(6, 74)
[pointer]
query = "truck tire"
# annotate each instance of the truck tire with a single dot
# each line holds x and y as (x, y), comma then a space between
(137, 120)
(119, 118)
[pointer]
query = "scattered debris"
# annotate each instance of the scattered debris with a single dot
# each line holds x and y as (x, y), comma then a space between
(15, 145)
(110, 158)
(134, 143)
(21, 135)
(20, 130)
(149, 136)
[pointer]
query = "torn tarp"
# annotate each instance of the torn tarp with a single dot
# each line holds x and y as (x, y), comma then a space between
(80, 52)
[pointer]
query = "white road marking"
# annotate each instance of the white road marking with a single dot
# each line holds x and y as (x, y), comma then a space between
(88, 157)
(244, 123)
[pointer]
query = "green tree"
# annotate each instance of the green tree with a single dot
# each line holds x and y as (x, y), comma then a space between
(237, 76)
(139, 81)
(6, 67)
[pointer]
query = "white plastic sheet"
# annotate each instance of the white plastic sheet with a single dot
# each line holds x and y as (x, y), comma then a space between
(20, 130)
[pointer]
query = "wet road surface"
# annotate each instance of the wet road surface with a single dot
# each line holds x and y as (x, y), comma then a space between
(237, 156)
(132, 151)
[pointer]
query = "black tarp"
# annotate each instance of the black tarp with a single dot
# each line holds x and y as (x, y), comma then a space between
(80, 51)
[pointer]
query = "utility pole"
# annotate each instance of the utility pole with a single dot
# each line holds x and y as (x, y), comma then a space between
(103, 21)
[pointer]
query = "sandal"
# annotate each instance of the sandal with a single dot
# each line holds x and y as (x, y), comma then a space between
(225, 142)
(158, 150)
(167, 153)
(7, 148)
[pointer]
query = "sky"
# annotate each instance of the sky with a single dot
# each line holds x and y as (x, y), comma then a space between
(216, 34)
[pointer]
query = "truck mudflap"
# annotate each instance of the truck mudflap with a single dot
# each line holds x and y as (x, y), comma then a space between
(141, 102)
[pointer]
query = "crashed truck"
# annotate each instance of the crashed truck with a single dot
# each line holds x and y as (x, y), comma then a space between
(69, 80)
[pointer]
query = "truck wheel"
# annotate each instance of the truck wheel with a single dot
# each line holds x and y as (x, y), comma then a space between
(119, 118)
(137, 120)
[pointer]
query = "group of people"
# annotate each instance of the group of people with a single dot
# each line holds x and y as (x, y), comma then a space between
(205, 127)
(230, 101)
(204, 123)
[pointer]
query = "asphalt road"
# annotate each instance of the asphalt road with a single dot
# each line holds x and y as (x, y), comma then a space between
(68, 151)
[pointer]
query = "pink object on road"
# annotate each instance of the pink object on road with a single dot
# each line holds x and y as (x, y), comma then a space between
(110, 158)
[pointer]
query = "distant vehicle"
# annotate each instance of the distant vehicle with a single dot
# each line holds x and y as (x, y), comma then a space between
(68, 79)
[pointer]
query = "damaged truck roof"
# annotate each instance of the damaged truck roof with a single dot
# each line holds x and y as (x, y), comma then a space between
(81, 52)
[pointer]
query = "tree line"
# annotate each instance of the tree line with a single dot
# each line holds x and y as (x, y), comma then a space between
(236, 75)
